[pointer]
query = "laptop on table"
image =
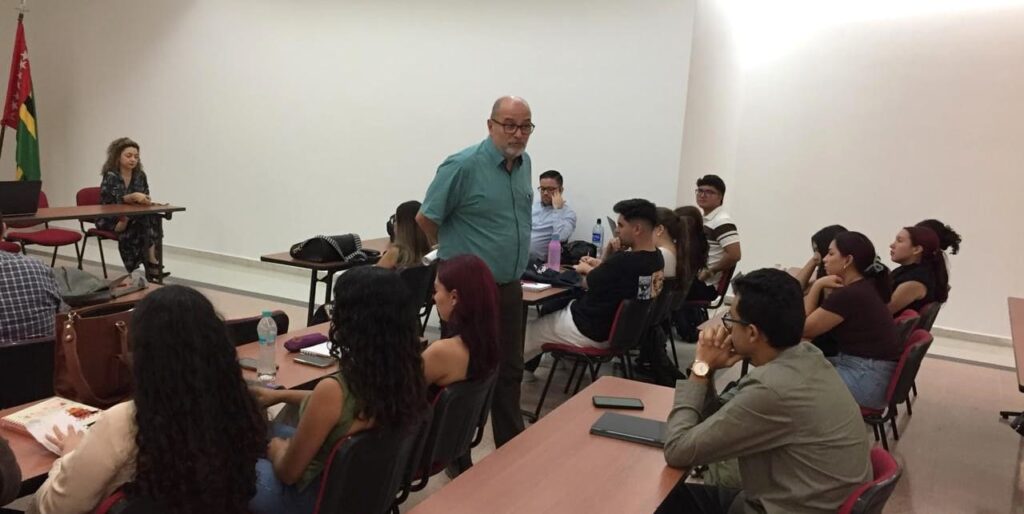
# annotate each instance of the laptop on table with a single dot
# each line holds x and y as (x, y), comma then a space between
(19, 197)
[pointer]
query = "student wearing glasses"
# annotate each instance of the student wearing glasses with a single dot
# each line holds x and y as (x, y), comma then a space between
(723, 238)
(552, 216)
(791, 422)
(480, 203)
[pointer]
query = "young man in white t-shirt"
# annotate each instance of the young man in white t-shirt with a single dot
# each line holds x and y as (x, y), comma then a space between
(723, 238)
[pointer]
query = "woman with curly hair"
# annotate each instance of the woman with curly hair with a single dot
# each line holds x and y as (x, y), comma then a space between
(124, 182)
(190, 438)
(375, 337)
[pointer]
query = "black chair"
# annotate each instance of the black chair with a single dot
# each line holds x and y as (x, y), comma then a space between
(699, 308)
(908, 321)
(899, 386)
(243, 330)
(662, 310)
(420, 281)
(367, 472)
(627, 329)
(870, 498)
(459, 409)
(928, 314)
(26, 371)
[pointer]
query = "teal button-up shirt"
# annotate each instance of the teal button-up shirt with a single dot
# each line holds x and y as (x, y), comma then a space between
(483, 209)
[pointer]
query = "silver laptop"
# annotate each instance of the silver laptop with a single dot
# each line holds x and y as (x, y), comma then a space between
(19, 197)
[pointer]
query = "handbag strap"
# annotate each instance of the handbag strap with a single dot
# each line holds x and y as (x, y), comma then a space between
(69, 341)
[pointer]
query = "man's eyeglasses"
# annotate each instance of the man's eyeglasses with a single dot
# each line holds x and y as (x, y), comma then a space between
(730, 322)
(549, 190)
(705, 192)
(510, 128)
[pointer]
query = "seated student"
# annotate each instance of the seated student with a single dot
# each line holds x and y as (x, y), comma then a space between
(28, 296)
(921, 278)
(467, 301)
(949, 240)
(10, 474)
(552, 216)
(620, 276)
(375, 336)
(857, 316)
(797, 433)
(696, 242)
(815, 268)
(410, 243)
(190, 438)
(723, 238)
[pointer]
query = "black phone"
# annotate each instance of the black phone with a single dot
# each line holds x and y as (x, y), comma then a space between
(315, 360)
(250, 363)
(616, 402)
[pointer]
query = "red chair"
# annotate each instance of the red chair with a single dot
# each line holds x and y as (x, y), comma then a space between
(928, 314)
(722, 288)
(907, 322)
(91, 196)
(871, 497)
(10, 247)
(899, 386)
(119, 503)
(51, 237)
(627, 329)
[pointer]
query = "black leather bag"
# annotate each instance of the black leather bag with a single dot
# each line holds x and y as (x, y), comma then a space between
(343, 248)
(573, 251)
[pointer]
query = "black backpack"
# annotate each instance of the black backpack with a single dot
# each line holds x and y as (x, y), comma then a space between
(343, 248)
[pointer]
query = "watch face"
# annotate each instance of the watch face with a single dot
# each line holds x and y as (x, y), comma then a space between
(700, 368)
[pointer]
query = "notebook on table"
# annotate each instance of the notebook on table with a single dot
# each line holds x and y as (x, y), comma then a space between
(320, 350)
(630, 428)
(38, 420)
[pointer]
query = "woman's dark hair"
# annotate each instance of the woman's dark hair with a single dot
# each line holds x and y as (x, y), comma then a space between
(859, 247)
(114, 155)
(821, 240)
(772, 300)
(409, 237)
(199, 430)
(697, 246)
(948, 238)
(475, 316)
(674, 227)
(375, 337)
(931, 256)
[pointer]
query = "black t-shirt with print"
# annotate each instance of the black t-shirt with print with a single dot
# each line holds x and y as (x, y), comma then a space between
(622, 276)
(916, 273)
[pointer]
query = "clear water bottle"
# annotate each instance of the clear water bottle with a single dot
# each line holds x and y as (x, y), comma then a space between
(597, 237)
(555, 254)
(266, 331)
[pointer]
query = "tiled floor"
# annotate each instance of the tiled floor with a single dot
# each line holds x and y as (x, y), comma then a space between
(959, 457)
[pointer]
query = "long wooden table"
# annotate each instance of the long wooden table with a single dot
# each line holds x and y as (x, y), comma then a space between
(328, 268)
(89, 212)
(556, 465)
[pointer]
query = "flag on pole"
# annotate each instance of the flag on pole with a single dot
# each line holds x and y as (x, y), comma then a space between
(20, 109)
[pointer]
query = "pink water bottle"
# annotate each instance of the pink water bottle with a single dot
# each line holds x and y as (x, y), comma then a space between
(555, 255)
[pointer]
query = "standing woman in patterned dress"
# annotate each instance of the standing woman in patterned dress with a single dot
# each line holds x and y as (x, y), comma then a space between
(124, 182)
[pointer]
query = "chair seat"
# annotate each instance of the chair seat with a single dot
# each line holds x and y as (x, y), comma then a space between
(105, 234)
(875, 413)
(10, 247)
(578, 350)
(47, 237)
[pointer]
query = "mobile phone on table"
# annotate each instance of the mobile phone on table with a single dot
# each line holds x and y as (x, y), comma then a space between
(617, 402)
(249, 363)
(315, 360)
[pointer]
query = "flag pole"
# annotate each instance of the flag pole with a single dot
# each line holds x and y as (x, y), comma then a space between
(3, 129)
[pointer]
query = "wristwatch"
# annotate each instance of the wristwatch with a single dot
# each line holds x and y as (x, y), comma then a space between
(700, 368)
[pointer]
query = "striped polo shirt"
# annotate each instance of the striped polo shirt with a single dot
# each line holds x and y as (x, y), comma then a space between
(721, 232)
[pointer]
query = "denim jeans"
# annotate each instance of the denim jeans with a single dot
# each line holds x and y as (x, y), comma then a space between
(276, 497)
(868, 379)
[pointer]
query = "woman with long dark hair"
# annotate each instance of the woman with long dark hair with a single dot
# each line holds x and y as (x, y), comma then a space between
(190, 438)
(467, 300)
(375, 337)
(125, 182)
(815, 267)
(410, 244)
(697, 246)
(922, 277)
(856, 316)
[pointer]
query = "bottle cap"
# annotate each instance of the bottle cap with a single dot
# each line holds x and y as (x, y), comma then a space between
(267, 314)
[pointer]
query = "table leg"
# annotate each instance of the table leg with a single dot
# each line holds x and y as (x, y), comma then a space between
(329, 283)
(312, 296)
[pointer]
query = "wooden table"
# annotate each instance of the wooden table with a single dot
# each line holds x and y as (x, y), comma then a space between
(290, 374)
(329, 268)
(88, 212)
(555, 465)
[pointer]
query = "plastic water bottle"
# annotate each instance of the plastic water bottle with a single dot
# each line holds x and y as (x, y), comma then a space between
(266, 331)
(555, 254)
(597, 237)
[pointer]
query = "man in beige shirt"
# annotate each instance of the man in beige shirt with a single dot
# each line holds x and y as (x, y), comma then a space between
(791, 422)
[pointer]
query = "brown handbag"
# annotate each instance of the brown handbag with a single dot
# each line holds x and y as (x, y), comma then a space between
(92, 361)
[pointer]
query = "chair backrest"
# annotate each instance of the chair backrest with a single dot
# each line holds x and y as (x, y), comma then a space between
(457, 411)
(26, 371)
(420, 281)
(723, 282)
(869, 498)
(243, 330)
(629, 324)
(88, 196)
(43, 203)
(663, 303)
(6, 246)
(906, 369)
(928, 314)
(365, 471)
(119, 503)
(906, 322)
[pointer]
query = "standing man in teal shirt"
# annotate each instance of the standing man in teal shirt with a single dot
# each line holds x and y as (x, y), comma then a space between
(480, 203)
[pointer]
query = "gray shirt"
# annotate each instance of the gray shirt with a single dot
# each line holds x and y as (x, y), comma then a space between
(793, 426)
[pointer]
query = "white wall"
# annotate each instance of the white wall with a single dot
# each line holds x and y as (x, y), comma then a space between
(273, 121)
(874, 115)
